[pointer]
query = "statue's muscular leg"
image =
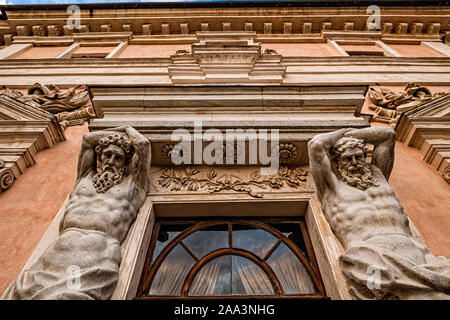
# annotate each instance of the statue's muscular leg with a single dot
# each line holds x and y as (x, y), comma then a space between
(95, 255)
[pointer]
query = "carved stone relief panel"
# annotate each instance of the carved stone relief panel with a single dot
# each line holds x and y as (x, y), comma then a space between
(388, 105)
(72, 106)
(200, 179)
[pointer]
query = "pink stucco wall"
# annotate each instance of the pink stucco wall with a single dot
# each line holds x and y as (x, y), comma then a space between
(28, 207)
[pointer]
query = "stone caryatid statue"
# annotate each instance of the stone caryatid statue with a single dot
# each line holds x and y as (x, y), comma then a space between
(112, 182)
(382, 258)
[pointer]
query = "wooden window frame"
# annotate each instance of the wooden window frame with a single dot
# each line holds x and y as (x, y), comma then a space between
(150, 269)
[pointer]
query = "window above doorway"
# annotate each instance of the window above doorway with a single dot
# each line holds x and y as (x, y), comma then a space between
(230, 258)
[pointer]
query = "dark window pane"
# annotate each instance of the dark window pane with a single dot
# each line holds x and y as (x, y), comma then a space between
(249, 279)
(213, 279)
(292, 274)
(252, 239)
(167, 232)
(172, 273)
(207, 240)
(293, 232)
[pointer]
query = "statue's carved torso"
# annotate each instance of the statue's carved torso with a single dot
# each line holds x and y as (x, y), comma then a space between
(111, 212)
(356, 215)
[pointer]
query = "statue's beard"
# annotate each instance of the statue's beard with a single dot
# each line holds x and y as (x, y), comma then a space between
(106, 178)
(358, 176)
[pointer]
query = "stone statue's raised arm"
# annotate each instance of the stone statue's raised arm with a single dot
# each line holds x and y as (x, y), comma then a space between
(319, 161)
(111, 187)
(383, 139)
(87, 158)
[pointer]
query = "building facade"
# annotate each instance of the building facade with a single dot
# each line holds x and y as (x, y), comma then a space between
(236, 84)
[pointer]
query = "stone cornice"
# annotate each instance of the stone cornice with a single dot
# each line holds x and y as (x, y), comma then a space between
(404, 23)
(298, 113)
(299, 71)
(427, 128)
(24, 131)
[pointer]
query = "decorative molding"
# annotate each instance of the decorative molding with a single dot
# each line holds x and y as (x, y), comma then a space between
(147, 29)
(267, 27)
(23, 31)
(184, 28)
(165, 28)
(226, 57)
(26, 130)
(6, 176)
(273, 22)
(287, 152)
(447, 175)
(287, 27)
(427, 128)
(38, 31)
(307, 28)
(53, 31)
(183, 179)
(348, 26)
(71, 107)
(388, 105)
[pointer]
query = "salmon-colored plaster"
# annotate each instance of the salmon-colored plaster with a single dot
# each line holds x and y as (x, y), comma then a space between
(410, 50)
(152, 51)
(29, 206)
(421, 190)
(425, 196)
(40, 53)
(302, 49)
(362, 49)
(92, 51)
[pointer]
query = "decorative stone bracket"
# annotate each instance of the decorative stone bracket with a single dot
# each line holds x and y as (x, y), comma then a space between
(71, 106)
(226, 58)
(388, 105)
(6, 177)
(25, 130)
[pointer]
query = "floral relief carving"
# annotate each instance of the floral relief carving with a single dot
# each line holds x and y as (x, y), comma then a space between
(287, 152)
(187, 179)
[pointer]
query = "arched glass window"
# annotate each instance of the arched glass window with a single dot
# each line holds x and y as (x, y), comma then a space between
(230, 258)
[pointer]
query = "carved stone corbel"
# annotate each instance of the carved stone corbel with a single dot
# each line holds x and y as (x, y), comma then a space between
(6, 176)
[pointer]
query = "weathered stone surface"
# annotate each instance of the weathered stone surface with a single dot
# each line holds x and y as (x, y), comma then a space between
(389, 105)
(382, 258)
(83, 263)
(70, 106)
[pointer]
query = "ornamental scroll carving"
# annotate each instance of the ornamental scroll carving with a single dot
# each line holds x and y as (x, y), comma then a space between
(70, 106)
(388, 105)
(6, 176)
(187, 179)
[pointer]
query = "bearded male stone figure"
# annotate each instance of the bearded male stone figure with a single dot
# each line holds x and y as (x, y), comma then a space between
(111, 186)
(382, 259)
